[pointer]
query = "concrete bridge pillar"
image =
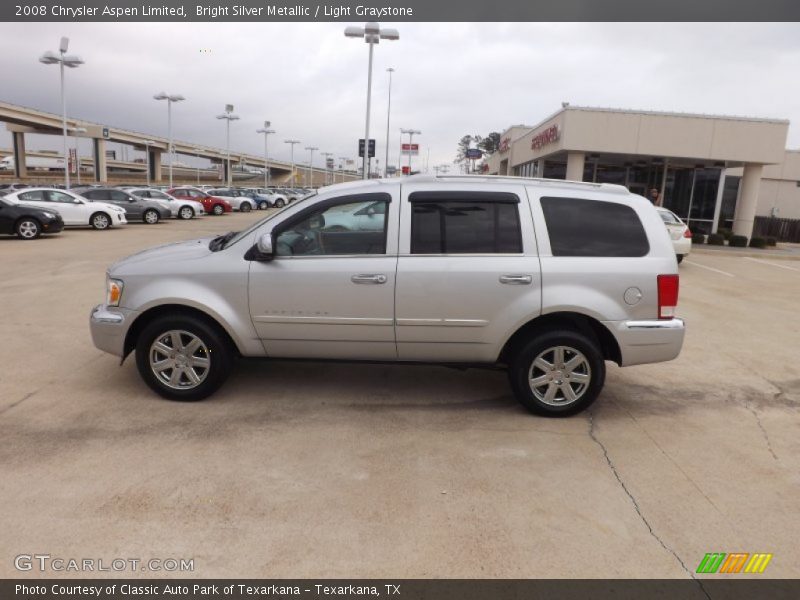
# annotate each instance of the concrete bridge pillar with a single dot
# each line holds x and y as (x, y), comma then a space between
(100, 170)
(20, 168)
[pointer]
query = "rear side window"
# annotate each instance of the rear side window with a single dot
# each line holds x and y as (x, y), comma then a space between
(97, 195)
(467, 223)
(593, 228)
(34, 196)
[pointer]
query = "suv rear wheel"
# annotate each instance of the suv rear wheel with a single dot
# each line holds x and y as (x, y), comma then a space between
(182, 357)
(558, 373)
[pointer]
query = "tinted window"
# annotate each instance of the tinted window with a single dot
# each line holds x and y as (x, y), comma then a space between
(593, 228)
(97, 195)
(668, 217)
(142, 193)
(119, 196)
(34, 196)
(336, 229)
(465, 227)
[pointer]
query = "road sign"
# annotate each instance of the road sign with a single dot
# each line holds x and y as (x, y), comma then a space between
(329, 163)
(406, 170)
(371, 148)
(410, 149)
(73, 161)
(474, 153)
(391, 170)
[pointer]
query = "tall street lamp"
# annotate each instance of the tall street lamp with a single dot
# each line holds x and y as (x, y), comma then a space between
(170, 98)
(147, 151)
(411, 133)
(372, 34)
(311, 164)
(266, 131)
(390, 70)
(292, 142)
(327, 156)
(228, 116)
(63, 60)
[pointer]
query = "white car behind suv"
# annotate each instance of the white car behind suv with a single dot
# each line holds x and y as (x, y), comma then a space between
(74, 209)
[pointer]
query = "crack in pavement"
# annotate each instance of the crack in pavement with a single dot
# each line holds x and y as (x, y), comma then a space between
(763, 431)
(18, 402)
(636, 506)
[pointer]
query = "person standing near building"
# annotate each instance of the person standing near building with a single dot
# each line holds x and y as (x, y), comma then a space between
(655, 197)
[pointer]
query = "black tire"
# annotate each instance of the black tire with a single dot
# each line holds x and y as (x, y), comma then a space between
(218, 209)
(218, 353)
(245, 207)
(679, 257)
(151, 217)
(263, 205)
(279, 203)
(100, 221)
(186, 212)
(521, 368)
(28, 228)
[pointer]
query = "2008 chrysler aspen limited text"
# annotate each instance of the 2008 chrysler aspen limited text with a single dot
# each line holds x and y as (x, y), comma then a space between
(547, 278)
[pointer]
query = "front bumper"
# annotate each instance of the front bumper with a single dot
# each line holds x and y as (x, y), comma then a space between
(651, 341)
(109, 326)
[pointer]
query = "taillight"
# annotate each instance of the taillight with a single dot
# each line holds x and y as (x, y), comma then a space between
(667, 296)
(687, 233)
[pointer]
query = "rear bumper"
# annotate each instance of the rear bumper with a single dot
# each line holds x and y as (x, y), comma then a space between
(109, 326)
(651, 341)
(682, 246)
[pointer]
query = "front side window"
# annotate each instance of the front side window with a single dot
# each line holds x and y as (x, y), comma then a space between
(579, 227)
(34, 196)
(457, 224)
(97, 195)
(342, 228)
(61, 197)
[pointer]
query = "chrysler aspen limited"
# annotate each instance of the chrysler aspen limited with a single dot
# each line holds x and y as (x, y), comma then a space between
(546, 279)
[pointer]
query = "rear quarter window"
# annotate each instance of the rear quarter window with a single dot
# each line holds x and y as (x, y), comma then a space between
(579, 227)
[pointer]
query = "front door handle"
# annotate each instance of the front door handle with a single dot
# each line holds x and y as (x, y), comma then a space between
(369, 278)
(516, 279)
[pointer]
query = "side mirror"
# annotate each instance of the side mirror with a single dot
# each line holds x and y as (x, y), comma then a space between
(262, 251)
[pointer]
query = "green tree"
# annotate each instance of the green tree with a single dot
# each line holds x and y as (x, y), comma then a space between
(490, 143)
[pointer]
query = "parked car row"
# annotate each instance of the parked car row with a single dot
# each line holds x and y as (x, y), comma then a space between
(29, 212)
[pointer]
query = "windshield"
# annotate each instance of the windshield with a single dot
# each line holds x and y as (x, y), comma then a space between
(669, 218)
(241, 234)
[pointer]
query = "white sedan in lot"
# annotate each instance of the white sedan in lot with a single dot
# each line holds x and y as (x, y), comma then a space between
(678, 232)
(74, 209)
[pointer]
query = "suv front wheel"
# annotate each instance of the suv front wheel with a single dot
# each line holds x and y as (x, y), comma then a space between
(558, 373)
(182, 357)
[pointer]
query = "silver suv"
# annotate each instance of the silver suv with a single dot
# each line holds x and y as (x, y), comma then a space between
(548, 279)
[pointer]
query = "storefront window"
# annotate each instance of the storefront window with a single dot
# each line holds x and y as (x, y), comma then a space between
(611, 174)
(678, 191)
(706, 184)
(554, 170)
(729, 194)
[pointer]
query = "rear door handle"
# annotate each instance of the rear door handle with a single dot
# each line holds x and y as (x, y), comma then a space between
(369, 278)
(516, 279)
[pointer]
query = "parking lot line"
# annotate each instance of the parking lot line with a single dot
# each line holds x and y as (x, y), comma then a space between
(690, 262)
(772, 264)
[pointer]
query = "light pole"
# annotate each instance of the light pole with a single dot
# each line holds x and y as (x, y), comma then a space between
(390, 70)
(372, 34)
(311, 164)
(266, 131)
(170, 98)
(228, 116)
(62, 59)
(76, 131)
(292, 142)
(147, 151)
(411, 133)
(327, 156)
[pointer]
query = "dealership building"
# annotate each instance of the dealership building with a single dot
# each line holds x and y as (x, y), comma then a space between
(713, 171)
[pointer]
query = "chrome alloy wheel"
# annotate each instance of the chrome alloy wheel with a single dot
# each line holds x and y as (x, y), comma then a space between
(559, 376)
(28, 229)
(186, 212)
(179, 359)
(151, 217)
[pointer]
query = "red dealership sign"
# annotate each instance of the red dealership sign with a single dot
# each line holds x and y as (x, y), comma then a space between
(504, 144)
(548, 136)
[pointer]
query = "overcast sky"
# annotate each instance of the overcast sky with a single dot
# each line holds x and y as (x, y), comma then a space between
(451, 78)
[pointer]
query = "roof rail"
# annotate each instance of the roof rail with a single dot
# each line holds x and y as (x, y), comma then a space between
(610, 187)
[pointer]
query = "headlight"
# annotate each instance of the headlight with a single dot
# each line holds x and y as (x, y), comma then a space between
(49, 215)
(113, 291)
